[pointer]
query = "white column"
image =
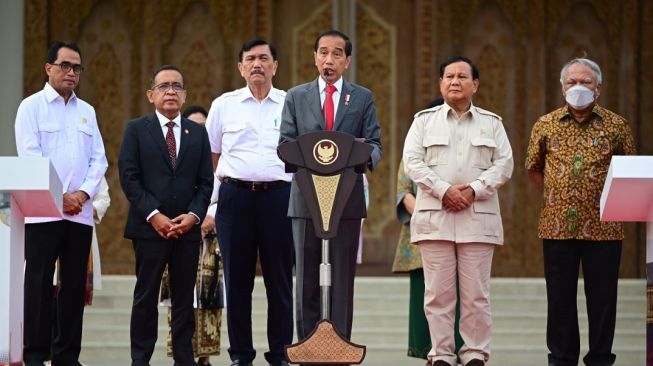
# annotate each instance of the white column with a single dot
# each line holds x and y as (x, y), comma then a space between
(12, 14)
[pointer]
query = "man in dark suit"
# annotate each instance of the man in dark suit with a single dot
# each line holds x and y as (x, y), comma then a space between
(347, 108)
(165, 172)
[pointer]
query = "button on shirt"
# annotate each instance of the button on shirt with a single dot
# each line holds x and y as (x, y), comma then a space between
(245, 132)
(68, 134)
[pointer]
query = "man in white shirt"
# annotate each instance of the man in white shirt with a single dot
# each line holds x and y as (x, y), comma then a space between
(54, 123)
(243, 128)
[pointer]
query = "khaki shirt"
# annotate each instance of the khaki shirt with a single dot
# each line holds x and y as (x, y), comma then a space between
(440, 151)
(575, 157)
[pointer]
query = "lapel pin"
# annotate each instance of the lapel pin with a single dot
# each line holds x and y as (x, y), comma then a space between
(186, 131)
(347, 99)
(84, 121)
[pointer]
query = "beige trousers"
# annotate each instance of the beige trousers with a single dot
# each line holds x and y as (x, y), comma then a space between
(471, 263)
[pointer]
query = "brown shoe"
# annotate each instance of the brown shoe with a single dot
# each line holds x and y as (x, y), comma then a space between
(475, 362)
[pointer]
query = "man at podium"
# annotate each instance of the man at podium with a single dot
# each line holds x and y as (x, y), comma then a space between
(54, 123)
(568, 158)
(329, 103)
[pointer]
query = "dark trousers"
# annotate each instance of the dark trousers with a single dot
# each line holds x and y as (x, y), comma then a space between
(247, 222)
(600, 264)
(151, 258)
(342, 257)
(44, 243)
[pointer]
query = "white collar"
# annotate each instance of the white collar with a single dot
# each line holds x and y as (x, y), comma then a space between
(246, 93)
(51, 94)
(322, 84)
(163, 119)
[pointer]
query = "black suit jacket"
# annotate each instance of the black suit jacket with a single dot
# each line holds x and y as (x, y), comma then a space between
(150, 182)
(302, 113)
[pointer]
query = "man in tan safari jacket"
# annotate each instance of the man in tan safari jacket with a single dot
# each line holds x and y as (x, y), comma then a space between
(458, 155)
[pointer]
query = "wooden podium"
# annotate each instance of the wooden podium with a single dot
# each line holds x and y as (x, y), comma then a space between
(29, 186)
(628, 196)
(326, 165)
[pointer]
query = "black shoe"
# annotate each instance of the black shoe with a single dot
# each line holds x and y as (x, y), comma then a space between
(441, 363)
(475, 362)
(203, 363)
(280, 363)
(239, 363)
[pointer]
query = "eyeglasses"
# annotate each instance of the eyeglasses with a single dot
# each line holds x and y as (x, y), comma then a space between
(66, 66)
(164, 87)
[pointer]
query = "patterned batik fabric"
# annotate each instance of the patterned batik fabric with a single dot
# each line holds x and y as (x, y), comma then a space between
(206, 339)
(407, 255)
(575, 157)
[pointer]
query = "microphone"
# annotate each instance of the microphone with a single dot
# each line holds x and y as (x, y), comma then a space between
(326, 73)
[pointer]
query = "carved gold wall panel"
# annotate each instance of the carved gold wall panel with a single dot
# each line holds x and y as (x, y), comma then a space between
(122, 41)
(303, 43)
(519, 47)
(104, 41)
(376, 70)
(198, 51)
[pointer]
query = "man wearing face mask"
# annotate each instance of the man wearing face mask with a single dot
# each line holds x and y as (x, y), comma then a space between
(568, 158)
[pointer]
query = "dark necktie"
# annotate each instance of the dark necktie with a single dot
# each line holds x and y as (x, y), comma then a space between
(172, 145)
(328, 107)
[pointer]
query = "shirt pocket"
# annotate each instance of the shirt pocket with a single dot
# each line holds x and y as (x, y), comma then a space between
(486, 217)
(482, 151)
(50, 136)
(233, 135)
(85, 138)
(271, 137)
(427, 217)
(437, 148)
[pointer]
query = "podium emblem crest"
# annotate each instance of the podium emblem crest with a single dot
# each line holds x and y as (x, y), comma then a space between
(325, 152)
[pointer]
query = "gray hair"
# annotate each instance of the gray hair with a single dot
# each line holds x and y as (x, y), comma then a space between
(585, 61)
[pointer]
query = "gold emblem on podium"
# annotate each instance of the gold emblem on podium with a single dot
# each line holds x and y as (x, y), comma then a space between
(325, 152)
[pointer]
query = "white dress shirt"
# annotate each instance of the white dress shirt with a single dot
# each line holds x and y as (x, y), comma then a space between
(336, 94)
(68, 134)
(176, 129)
(245, 132)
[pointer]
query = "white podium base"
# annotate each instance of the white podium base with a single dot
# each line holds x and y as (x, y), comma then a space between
(12, 259)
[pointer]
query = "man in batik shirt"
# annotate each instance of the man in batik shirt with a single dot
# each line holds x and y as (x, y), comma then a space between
(568, 158)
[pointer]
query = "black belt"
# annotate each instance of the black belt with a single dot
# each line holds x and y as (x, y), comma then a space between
(256, 186)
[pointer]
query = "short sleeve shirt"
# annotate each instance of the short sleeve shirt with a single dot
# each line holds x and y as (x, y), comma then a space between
(574, 158)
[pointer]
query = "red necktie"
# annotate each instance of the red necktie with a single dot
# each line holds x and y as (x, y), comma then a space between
(172, 145)
(328, 107)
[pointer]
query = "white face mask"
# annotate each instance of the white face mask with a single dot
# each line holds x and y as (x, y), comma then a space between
(579, 97)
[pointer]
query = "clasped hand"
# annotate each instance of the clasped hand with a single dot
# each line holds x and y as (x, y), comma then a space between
(458, 197)
(73, 202)
(172, 228)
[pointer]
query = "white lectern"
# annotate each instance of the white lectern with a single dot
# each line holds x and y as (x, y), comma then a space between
(31, 187)
(628, 196)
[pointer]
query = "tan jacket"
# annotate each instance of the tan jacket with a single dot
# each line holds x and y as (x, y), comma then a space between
(440, 152)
